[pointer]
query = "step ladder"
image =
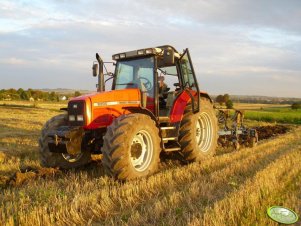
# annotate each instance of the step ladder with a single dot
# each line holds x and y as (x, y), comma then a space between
(170, 138)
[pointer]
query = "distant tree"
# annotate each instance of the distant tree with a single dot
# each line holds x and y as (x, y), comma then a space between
(229, 104)
(52, 96)
(46, 96)
(226, 97)
(3, 95)
(20, 90)
(220, 99)
(77, 93)
(296, 106)
(12, 91)
(24, 95)
(29, 92)
(37, 94)
(13, 94)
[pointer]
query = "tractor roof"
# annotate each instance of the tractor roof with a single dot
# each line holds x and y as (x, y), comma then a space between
(145, 52)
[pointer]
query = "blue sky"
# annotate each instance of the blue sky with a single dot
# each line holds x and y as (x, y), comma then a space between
(237, 47)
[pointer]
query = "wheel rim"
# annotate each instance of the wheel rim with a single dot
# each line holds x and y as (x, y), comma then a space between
(141, 150)
(204, 132)
(72, 158)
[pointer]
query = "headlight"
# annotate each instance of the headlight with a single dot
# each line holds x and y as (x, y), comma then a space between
(80, 118)
(71, 118)
(122, 55)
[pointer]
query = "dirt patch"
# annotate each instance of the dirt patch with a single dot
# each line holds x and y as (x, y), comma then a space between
(266, 132)
(27, 174)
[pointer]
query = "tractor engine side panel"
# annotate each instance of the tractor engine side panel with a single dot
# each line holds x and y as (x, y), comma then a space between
(107, 106)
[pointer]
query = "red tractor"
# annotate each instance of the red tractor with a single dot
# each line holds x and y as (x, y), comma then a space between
(138, 119)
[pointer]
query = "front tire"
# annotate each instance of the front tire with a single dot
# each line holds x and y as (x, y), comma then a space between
(131, 147)
(198, 132)
(51, 159)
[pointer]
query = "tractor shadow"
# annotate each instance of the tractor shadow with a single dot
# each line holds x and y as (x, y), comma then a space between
(95, 169)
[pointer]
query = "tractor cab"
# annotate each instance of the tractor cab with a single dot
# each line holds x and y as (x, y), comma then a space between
(161, 74)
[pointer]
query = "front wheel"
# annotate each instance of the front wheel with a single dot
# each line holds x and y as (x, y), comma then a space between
(61, 160)
(131, 147)
(198, 132)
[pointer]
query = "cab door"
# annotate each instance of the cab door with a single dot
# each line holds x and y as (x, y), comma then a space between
(189, 82)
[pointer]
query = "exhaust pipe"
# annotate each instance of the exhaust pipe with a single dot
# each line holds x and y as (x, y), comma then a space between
(101, 82)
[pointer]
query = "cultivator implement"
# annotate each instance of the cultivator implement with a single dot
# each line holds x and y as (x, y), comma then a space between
(236, 134)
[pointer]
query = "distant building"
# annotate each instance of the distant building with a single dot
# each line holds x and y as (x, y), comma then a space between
(63, 98)
(7, 97)
(31, 99)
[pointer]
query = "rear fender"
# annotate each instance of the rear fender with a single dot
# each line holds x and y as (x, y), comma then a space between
(177, 111)
(205, 95)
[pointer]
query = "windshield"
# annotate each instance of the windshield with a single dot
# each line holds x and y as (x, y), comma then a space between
(136, 73)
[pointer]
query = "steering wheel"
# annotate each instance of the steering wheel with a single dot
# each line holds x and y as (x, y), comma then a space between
(148, 85)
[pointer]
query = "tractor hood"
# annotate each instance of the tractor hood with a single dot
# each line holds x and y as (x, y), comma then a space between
(113, 97)
(103, 107)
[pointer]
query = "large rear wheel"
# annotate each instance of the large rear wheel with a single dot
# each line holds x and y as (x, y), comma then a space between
(131, 147)
(61, 160)
(198, 132)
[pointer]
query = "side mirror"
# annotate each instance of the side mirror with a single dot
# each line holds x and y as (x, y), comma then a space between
(95, 69)
(169, 57)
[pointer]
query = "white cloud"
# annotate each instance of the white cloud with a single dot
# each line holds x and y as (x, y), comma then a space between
(13, 61)
(232, 43)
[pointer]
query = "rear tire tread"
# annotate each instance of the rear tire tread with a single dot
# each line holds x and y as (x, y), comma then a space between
(187, 139)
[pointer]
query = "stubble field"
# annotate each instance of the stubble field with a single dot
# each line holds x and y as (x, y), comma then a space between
(233, 188)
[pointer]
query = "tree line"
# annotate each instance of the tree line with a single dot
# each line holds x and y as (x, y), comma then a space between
(224, 100)
(31, 94)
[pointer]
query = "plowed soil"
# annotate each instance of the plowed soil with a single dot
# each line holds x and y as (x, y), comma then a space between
(266, 132)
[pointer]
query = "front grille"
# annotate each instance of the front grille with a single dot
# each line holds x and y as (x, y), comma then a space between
(76, 108)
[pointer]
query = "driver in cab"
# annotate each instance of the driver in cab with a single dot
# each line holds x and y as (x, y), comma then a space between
(163, 89)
